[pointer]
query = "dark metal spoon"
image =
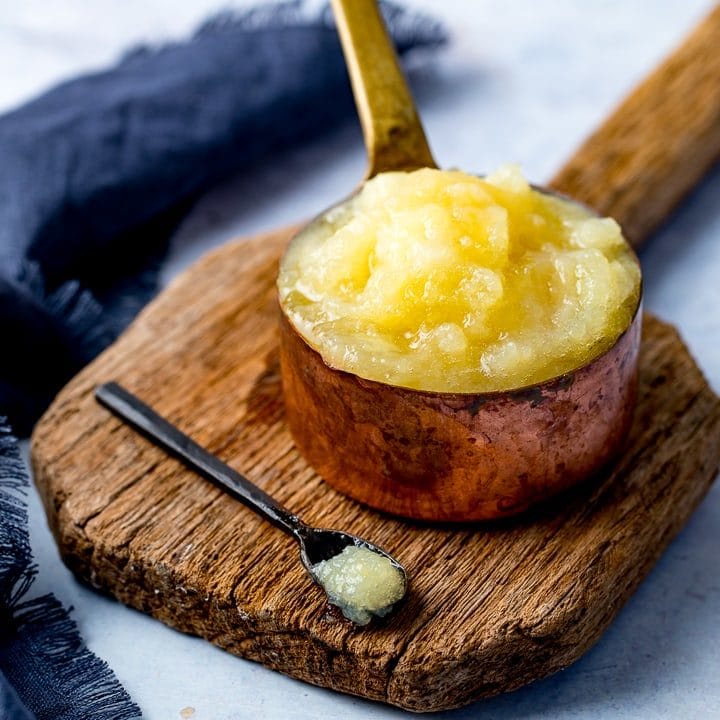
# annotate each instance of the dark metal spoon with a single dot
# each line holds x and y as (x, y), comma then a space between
(316, 544)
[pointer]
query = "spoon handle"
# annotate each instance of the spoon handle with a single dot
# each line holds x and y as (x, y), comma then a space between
(144, 419)
(394, 135)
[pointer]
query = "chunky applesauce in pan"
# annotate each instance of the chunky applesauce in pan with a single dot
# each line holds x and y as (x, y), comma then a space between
(443, 281)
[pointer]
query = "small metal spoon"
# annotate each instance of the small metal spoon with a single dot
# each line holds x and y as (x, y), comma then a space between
(316, 544)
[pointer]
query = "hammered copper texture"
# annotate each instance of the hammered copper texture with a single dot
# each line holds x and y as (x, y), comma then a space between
(457, 457)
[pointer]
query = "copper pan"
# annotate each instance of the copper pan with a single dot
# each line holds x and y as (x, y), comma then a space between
(434, 455)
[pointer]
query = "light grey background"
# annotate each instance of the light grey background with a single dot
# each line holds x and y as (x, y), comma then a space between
(522, 81)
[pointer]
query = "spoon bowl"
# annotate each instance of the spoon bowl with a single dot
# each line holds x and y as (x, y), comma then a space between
(318, 546)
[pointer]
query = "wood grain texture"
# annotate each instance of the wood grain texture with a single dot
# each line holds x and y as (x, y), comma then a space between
(656, 146)
(491, 606)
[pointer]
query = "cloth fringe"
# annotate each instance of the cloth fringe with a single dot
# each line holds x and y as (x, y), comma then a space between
(16, 569)
(41, 648)
(408, 28)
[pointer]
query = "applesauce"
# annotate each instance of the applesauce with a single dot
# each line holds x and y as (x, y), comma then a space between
(442, 281)
(361, 582)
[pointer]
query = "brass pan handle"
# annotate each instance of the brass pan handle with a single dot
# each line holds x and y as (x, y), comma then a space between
(394, 136)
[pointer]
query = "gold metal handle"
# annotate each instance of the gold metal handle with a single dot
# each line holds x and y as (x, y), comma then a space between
(394, 136)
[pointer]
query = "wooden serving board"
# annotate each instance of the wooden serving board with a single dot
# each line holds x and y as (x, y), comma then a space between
(491, 606)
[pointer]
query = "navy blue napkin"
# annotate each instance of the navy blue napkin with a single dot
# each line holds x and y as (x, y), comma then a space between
(95, 175)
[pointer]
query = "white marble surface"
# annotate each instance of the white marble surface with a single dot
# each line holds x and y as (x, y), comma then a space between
(516, 84)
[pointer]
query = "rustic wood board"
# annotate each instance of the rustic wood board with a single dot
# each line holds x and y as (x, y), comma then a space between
(491, 606)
